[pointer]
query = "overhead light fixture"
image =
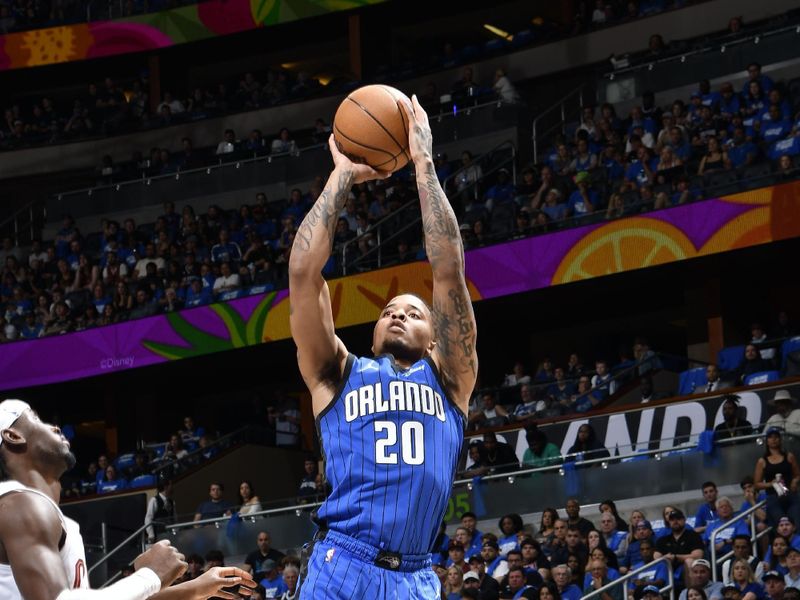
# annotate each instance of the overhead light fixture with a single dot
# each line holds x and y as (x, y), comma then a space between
(498, 32)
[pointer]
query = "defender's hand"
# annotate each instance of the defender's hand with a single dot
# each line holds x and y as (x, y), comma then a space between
(211, 583)
(164, 560)
(361, 173)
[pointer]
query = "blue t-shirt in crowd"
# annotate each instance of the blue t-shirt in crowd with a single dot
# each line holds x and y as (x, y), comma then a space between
(704, 514)
(213, 510)
(274, 588)
(556, 212)
(655, 573)
(738, 154)
(577, 205)
(773, 131)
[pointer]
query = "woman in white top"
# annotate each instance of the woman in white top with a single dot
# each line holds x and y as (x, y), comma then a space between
(248, 500)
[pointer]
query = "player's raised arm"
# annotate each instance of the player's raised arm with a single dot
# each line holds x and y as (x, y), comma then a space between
(453, 319)
(320, 354)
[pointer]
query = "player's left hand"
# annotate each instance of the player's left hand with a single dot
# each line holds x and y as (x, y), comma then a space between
(360, 172)
(420, 139)
(212, 581)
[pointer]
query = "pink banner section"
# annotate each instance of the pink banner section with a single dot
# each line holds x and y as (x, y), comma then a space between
(556, 258)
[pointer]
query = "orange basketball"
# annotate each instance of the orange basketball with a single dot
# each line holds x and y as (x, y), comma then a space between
(371, 128)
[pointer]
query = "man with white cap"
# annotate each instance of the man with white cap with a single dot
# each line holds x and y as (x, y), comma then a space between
(41, 550)
(785, 416)
(700, 576)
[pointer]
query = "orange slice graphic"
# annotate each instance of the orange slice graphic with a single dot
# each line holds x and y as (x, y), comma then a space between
(623, 246)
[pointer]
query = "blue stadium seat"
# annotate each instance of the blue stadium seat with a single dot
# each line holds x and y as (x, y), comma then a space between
(143, 481)
(124, 461)
(232, 295)
(497, 45)
(789, 346)
(691, 379)
(762, 377)
(730, 358)
(522, 38)
(106, 487)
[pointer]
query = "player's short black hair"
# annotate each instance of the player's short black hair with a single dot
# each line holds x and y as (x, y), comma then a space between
(710, 484)
(469, 514)
(3, 470)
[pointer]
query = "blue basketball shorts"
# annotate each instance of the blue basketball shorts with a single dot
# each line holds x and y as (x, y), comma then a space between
(343, 568)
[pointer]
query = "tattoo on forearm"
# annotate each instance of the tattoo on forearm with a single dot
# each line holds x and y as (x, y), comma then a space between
(439, 222)
(325, 211)
(455, 328)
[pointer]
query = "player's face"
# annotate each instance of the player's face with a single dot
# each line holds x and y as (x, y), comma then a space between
(404, 329)
(44, 442)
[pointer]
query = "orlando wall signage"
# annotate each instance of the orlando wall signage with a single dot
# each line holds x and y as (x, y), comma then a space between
(650, 428)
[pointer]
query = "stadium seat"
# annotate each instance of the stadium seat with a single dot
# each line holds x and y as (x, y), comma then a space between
(730, 358)
(762, 377)
(522, 38)
(143, 481)
(106, 487)
(124, 461)
(691, 379)
(790, 357)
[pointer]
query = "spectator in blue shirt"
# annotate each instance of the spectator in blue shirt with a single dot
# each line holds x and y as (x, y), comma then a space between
(741, 152)
(225, 250)
(32, 329)
(724, 538)
(754, 101)
(787, 147)
(754, 75)
(584, 200)
(272, 582)
(707, 97)
(708, 510)
(198, 294)
(774, 96)
(729, 102)
(215, 506)
(773, 126)
(553, 207)
(639, 172)
(501, 192)
(111, 482)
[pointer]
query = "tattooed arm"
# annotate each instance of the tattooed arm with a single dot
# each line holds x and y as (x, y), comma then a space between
(321, 355)
(455, 331)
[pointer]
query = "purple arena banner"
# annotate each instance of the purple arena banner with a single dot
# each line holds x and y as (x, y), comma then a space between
(561, 257)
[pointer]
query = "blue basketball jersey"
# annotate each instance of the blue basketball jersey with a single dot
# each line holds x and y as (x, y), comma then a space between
(391, 440)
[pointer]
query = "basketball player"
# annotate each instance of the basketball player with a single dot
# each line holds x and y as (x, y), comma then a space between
(41, 550)
(391, 426)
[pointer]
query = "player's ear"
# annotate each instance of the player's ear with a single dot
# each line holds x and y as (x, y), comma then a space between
(431, 347)
(12, 439)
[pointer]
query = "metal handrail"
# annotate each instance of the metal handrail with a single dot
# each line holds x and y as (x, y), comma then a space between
(670, 587)
(594, 461)
(751, 513)
(558, 105)
(724, 41)
(120, 546)
(298, 509)
(268, 158)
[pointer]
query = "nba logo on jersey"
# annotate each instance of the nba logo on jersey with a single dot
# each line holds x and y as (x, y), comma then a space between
(329, 554)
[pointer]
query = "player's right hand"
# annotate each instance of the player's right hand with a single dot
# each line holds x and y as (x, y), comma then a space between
(212, 583)
(164, 560)
(361, 173)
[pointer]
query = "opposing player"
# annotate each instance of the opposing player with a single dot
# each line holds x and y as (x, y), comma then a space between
(41, 550)
(391, 426)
